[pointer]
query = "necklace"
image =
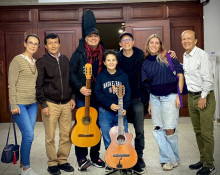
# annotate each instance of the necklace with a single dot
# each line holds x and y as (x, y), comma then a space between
(33, 71)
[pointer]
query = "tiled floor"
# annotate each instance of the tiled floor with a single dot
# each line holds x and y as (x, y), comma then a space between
(187, 148)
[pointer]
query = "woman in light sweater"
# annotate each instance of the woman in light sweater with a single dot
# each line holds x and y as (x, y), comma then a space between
(22, 97)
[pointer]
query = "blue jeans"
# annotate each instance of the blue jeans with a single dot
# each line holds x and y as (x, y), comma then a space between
(26, 121)
(165, 116)
(82, 152)
(107, 120)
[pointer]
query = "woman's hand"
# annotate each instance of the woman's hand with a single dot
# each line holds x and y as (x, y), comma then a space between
(177, 101)
(16, 111)
(124, 112)
(149, 108)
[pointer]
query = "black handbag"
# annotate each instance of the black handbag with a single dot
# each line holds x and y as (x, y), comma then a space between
(10, 152)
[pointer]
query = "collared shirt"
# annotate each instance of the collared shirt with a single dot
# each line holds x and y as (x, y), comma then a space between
(58, 55)
(26, 58)
(198, 71)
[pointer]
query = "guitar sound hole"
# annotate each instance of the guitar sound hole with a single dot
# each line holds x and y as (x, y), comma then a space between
(121, 139)
(86, 120)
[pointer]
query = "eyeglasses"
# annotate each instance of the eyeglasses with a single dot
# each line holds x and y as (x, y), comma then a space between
(128, 39)
(32, 44)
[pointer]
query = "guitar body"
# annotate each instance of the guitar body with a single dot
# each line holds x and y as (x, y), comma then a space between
(120, 153)
(86, 133)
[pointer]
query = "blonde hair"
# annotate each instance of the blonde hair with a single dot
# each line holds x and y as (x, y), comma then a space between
(161, 56)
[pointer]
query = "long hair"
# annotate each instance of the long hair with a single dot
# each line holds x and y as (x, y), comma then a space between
(161, 56)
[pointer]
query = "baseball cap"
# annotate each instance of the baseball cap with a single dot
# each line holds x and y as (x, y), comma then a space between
(91, 30)
(125, 33)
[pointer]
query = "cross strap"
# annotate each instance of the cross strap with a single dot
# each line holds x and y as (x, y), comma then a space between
(174, 72)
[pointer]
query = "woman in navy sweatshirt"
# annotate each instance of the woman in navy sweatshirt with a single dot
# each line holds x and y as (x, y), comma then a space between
(105, 91)
(164, 101)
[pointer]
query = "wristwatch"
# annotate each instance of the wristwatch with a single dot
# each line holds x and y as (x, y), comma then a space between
(203, 96)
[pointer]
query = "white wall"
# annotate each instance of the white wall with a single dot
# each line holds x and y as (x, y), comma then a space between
(212, 42)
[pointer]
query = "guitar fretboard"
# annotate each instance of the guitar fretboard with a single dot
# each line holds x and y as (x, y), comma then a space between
(120, 117)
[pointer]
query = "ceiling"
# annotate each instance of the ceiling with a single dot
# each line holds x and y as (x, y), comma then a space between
(56, 2)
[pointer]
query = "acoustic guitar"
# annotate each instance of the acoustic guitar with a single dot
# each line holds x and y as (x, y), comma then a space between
(120, 153)
(86, 133)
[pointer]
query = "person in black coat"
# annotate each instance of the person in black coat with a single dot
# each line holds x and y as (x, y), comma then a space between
(89, 51)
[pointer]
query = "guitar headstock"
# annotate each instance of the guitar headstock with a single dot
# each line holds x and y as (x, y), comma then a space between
(88, 71)
(120, 90)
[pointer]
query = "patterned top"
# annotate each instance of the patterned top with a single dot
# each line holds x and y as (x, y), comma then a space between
(21, 82)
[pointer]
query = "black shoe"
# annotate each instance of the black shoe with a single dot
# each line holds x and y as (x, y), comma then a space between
(99, 163)
(206, 171)
(108, 169)
(141, 162)
(196, 166)
(84, 164)
(54, 170)
(66, 167)
(137, 169)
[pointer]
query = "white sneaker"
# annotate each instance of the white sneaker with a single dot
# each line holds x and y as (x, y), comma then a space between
(29, 171)
(175, 165)
(167, 166)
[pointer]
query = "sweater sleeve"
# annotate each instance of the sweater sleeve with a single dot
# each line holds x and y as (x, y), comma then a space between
(13, 74)
(100, 95)
(74, 81)
(40, 96)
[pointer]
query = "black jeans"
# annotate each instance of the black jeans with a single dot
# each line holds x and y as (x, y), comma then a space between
(81, 152)
(136, 115)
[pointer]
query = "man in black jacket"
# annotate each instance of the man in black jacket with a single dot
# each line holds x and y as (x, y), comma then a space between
(130, 60)
(89, 51)
(54, 94)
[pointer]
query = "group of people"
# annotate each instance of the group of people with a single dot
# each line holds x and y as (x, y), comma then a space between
(59, 86)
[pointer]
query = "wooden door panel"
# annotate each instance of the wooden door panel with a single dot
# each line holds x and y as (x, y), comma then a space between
(141, 30)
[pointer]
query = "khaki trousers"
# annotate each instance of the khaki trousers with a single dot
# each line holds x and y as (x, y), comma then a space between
(61, 114)
(202, 121)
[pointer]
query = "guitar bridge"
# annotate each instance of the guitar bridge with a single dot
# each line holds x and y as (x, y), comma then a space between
(121, 155)
(86, 135)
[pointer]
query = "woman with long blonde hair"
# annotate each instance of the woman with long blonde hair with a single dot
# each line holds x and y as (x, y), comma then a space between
(164, 102)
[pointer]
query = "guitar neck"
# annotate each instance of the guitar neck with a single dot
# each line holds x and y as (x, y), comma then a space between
(120, 116)
(87, 98)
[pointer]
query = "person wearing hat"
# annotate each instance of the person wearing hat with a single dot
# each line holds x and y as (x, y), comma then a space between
(90, 50)
(130, 59)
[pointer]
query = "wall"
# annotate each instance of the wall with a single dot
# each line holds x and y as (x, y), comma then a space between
(211, 42)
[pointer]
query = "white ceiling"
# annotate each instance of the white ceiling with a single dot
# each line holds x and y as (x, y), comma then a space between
(55, 2)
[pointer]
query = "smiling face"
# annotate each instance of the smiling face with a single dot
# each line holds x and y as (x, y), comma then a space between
(154, 46)
(31, 45)
(111, 63)
(188, 40)
(53, 46)
(126, 43)
(92, 40)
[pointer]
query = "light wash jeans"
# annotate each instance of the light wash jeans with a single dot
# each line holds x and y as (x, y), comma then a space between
(107, 120)
(26, 121)
(165, 116)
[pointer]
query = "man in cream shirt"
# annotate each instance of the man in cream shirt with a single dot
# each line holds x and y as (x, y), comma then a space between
(201, 100)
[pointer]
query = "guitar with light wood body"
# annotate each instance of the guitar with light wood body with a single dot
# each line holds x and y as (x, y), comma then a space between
(120, 153)
(86, 133)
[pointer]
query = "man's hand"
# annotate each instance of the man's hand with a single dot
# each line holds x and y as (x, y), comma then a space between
(46, 111)
(173, 54)
(16, 111)
(124, 112)
(202, 103)
(72, 104)
(85, 91)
